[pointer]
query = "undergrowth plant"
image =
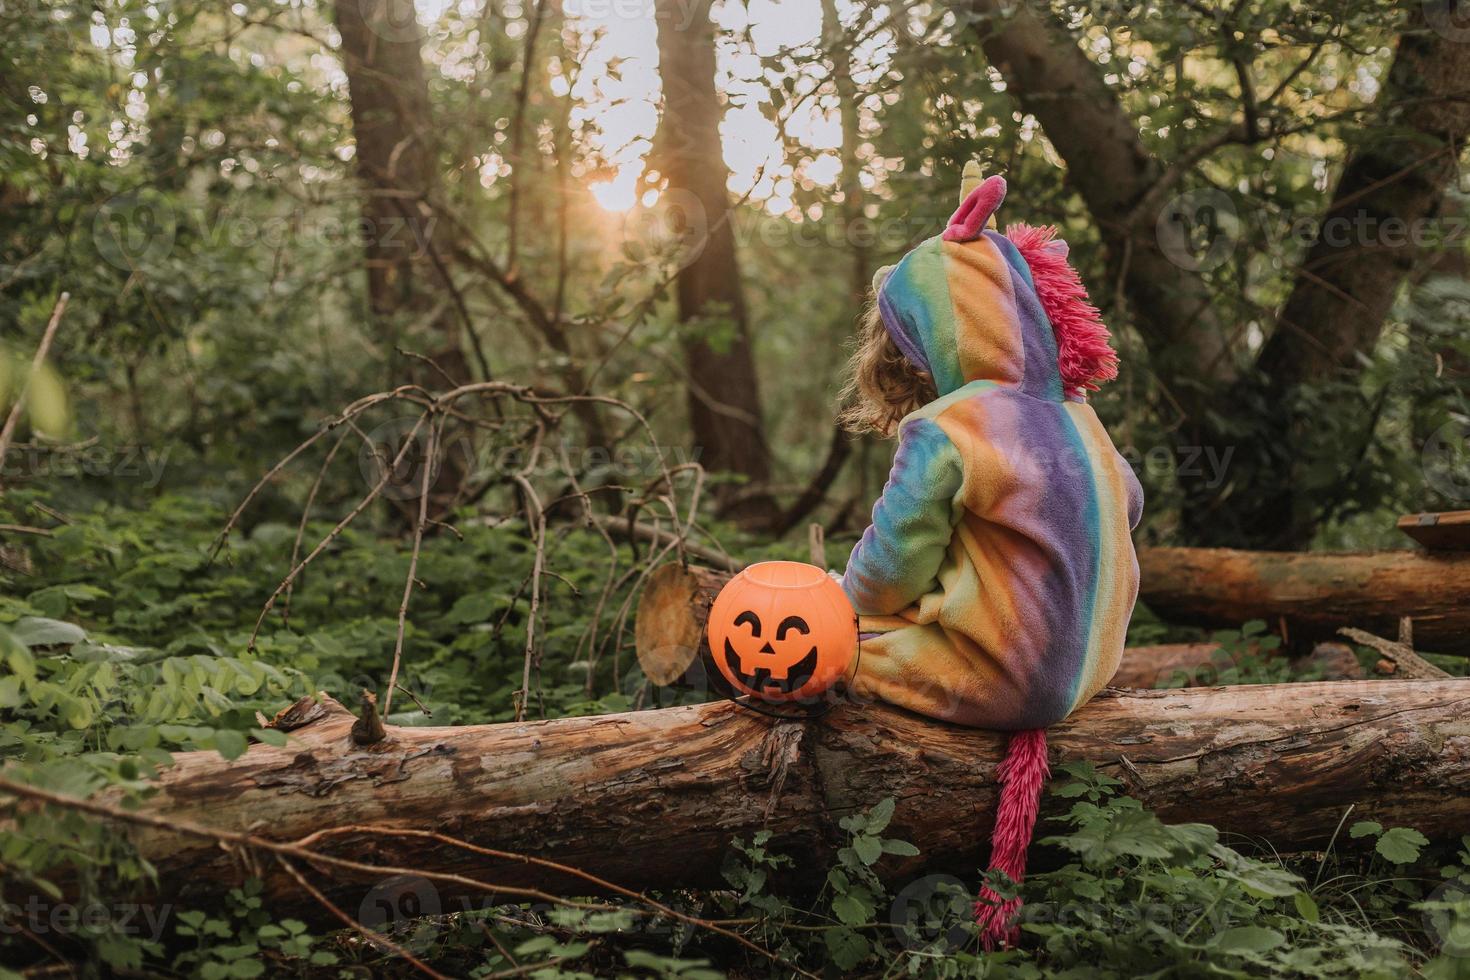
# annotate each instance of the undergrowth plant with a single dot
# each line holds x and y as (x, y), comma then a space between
(125, 644)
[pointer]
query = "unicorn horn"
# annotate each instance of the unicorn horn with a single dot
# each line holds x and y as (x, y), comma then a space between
(970, 179)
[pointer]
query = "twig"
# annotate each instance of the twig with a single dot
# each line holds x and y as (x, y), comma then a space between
(539, 862)
(25, 529)
(297, 849)
(316, 485)
(658, 537)
(413, 562)
(375, 938)
(414, 698)
(1407, 664)
(538, 523)
(13, 418)
(349, 413)
(337, 530)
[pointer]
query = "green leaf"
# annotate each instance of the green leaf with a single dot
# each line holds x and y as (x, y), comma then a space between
(880, 815)
(1365, 828)
(1246, 940)
(270, 736)
(1401, 845)
(850, 908)
(901, 848)
(229, 743)
(869, 849)
(1306, 907)
(846, 947)
(37, 631)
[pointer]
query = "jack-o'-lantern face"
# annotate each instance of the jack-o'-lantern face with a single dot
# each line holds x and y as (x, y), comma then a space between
(782, 631)
(779, 663)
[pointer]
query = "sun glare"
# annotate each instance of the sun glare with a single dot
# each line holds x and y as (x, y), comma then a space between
(622, 104)
(614, 195)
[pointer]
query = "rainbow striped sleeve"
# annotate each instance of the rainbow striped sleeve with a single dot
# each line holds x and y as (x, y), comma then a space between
(900, 553)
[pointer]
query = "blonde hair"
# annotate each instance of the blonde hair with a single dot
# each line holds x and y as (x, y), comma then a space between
(881, 386)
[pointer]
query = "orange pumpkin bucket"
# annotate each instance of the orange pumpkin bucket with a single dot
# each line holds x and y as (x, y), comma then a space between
(782, 631)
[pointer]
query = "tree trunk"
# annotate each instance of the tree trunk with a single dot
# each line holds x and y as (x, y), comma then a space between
(1370, 238)
(1342, 293)
(652, 799)
(724, 393)
(1110, 169)
(1367, 244)
(404, 240)
(1314, 593)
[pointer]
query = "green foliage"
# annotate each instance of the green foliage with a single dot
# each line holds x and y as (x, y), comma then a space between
(184, 170)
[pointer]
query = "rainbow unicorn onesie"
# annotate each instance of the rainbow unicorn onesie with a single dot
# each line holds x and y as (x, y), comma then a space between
(996, 581)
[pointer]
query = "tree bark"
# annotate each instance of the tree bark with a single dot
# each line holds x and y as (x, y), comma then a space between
(392, 125)
(1367, 244)
(724, 392)
(1110, 169)
(652, 799)
(1314, 593)
(1369, 239)
(1342, 292)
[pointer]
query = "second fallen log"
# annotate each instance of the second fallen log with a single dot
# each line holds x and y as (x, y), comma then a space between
(1314, 593)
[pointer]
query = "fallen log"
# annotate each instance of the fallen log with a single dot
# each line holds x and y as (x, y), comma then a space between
(1314, 593)
(672, 648)
(1449, 531)
(653, 799)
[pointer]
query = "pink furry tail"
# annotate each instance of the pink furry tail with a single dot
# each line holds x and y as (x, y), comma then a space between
(1022, 774)
(1083, 356)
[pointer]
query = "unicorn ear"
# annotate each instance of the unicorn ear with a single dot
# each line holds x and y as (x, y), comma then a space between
(880, 277)
(973, 216)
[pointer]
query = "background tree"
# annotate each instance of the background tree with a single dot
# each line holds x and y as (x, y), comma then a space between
(724, 391)
(404, 232)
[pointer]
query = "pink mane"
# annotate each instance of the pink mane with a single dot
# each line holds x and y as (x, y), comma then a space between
(1083, 356)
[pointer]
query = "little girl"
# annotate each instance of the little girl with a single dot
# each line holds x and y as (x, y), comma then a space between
(995, 583)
